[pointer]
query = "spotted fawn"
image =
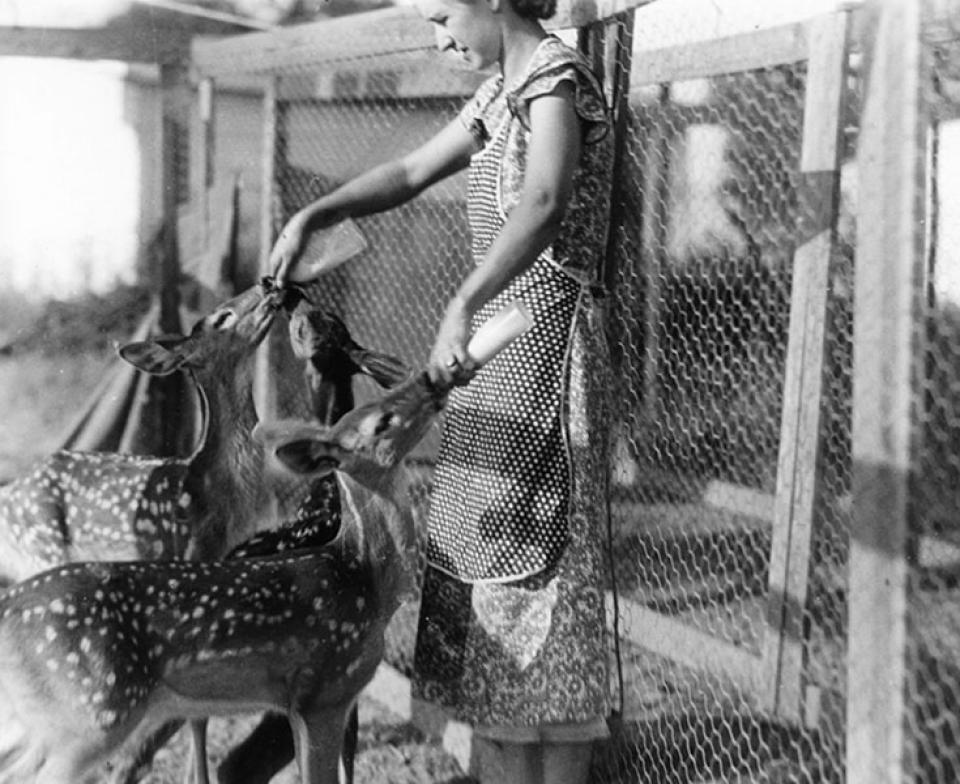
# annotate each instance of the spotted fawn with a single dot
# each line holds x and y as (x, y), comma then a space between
(94, 656)
(332, 358)
(98, 505)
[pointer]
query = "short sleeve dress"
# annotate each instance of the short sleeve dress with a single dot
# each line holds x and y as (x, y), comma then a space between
(511, 637)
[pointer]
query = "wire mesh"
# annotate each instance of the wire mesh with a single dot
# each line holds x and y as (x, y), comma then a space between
(708, 211)
(701, 304)
(704, 254)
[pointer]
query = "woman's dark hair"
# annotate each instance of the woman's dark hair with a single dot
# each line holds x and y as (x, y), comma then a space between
(535, 9)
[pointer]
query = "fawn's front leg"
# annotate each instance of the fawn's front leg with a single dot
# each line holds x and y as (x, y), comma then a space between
(198, 736)
(318, 739)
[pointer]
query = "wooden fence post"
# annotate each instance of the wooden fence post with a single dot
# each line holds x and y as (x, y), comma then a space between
(888, 292)
(264, 385)
(798, 469)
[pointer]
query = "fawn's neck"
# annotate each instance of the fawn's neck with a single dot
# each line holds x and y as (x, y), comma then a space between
(378, 530)
(330, 393)
(226, 475)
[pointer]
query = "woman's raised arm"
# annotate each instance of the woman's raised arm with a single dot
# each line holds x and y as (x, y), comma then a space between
(376, 190)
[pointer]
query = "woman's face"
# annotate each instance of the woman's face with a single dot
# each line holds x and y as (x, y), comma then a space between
(466, 28)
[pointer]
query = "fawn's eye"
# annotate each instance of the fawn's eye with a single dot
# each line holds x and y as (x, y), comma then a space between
(384, 423)
(223, 319)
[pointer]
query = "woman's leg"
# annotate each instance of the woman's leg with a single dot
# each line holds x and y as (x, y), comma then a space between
(566, 763)
(521, 763)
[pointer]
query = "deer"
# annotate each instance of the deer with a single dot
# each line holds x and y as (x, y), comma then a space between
(96, 656)
(100, 505)
(331, 360)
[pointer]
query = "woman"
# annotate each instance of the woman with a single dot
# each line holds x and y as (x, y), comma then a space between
(511, 636)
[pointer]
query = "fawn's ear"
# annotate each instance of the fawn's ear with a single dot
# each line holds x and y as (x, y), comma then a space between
(303, 456)
(297, 445)
(159, 357)
(386, 370)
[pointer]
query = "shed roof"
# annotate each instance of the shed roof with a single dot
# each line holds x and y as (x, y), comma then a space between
(134, 31)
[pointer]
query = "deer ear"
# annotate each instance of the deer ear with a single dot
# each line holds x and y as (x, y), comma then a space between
(156, 357)
(301, 457)
(387, 371)
(301, 446)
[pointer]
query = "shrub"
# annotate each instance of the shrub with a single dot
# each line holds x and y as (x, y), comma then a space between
(91, 322)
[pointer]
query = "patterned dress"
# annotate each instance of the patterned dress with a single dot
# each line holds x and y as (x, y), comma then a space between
(511, 637)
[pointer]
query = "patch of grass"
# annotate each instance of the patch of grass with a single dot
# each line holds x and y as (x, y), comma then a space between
(42, 395)
(52, 356)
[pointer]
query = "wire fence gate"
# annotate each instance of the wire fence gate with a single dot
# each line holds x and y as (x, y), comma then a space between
(786, 438)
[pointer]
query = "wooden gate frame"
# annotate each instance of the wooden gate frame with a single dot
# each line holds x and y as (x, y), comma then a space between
(773, 680)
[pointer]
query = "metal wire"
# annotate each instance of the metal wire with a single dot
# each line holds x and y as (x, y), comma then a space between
(708, 211)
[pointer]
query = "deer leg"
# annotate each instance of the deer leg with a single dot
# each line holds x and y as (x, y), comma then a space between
(264, 753)
(348, 752)
(198, 734)
(269, 749)
(318, 738)
(129, 765)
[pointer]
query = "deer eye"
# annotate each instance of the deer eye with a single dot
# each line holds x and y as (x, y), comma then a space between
(384, 423)
(222, 319)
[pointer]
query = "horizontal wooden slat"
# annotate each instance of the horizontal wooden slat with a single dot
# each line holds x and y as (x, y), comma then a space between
(744, 52)
(135, 46)
(390, 30)
(690, 647)
(373, 79)
(386, 31)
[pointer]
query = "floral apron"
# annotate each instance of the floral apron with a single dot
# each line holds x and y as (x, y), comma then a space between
(511, 632)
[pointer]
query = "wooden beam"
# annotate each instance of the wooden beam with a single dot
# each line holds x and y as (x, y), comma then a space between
(175, 102)
(889, 285)
(578, 13)
(373, 79)
(383, 32)
(136, 46)
(744, 52)
(391, 30)
(798, 470)
(206, 154)
(264, 382)
(680, 642)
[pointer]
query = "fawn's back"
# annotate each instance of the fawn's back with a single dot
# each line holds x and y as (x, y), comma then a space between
(68, 508)
(96, 505)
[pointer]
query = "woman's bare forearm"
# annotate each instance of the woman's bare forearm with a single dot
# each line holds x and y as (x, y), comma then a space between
(395, 182)
(381, 188)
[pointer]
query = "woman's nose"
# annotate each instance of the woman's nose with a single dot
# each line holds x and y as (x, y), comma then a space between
(444, 39)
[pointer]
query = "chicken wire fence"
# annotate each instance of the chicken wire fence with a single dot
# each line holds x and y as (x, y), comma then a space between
(730, 496)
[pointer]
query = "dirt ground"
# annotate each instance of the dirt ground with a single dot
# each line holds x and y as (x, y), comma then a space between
(391, 751)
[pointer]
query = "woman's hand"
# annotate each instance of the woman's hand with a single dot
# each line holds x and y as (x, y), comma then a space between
(288, 247)
(449, 363)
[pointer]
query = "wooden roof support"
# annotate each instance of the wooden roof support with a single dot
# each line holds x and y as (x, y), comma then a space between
(889, 268)
(101, 43)
(387, 31)
(151, 32)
